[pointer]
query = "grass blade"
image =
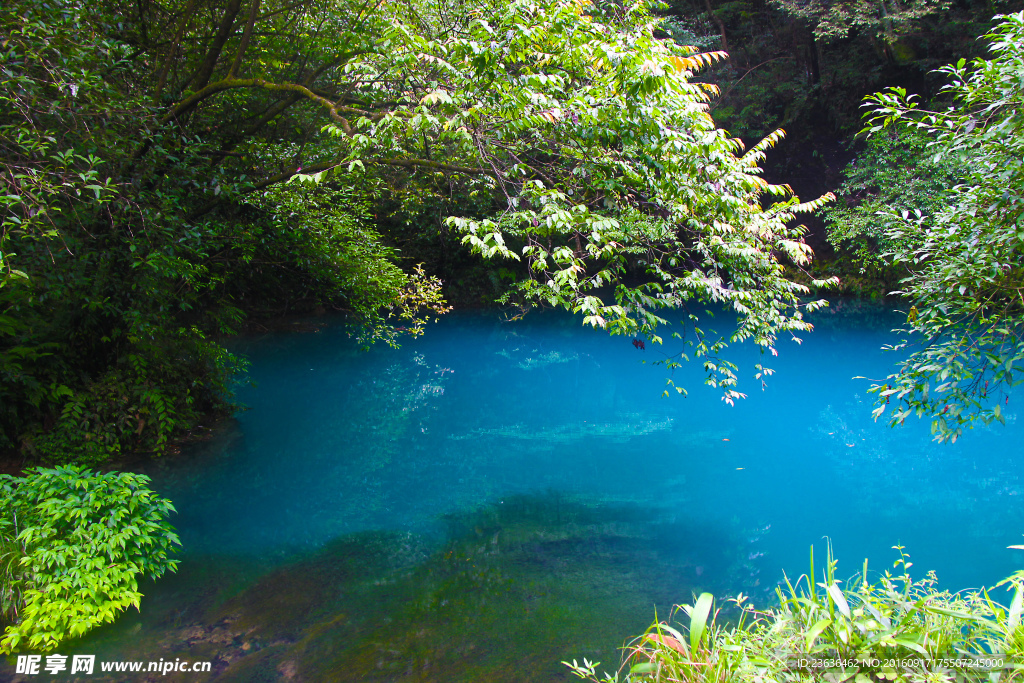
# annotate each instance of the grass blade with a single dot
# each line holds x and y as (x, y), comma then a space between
(818, 627)
(1013, 620)
(699, 619)
(839, 599)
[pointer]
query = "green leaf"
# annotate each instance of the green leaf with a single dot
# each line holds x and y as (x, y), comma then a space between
(815, 631)
(839, 599)
(699, 619)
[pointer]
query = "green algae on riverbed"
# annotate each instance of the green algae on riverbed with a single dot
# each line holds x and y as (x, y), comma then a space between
(520, 585)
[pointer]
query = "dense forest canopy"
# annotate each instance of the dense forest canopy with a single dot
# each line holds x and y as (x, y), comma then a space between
(171, 170)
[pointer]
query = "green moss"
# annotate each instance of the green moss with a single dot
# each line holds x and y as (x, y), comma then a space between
(520, 585)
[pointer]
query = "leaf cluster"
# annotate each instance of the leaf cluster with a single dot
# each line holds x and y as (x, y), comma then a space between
(897, 172)
(963, 337)
(82, 542)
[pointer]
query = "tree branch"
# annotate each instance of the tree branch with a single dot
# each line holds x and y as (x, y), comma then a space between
(327, 165)
(334, 109)
(246, 36)
(213, 54)
(172, 52)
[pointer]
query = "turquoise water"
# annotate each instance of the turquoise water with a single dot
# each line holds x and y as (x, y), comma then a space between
(497, 496)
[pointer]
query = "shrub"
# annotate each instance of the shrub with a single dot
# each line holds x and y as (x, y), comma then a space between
(72, 547)
(964, 333)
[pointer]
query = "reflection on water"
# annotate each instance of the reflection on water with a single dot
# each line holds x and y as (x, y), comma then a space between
(497, 497)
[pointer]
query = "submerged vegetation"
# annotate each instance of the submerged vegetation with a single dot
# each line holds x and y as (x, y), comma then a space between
(541, 574)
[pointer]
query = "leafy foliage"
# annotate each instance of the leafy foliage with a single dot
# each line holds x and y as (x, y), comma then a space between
(964, 329)
(82, 541)
(897, 173)
(600, 147)
(806, 66)
(123, 256)
(887, 21)
(567, 114)
(326, 233)
(893, 629)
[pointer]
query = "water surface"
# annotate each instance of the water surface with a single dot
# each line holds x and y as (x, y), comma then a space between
(498, 496)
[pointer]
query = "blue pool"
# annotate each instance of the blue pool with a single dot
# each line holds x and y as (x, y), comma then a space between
(498, 496)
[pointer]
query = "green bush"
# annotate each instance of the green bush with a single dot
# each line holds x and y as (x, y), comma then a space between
(72, 547)
(141, 404)
(964, 333)
(895, 629)
(896, 173)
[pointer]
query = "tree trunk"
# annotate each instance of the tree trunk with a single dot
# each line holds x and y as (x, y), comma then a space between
(814, 68)
(721, 24)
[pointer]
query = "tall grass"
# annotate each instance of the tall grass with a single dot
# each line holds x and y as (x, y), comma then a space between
(886, 627)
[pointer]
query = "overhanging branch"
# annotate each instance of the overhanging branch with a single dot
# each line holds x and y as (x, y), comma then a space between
(328, 165)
